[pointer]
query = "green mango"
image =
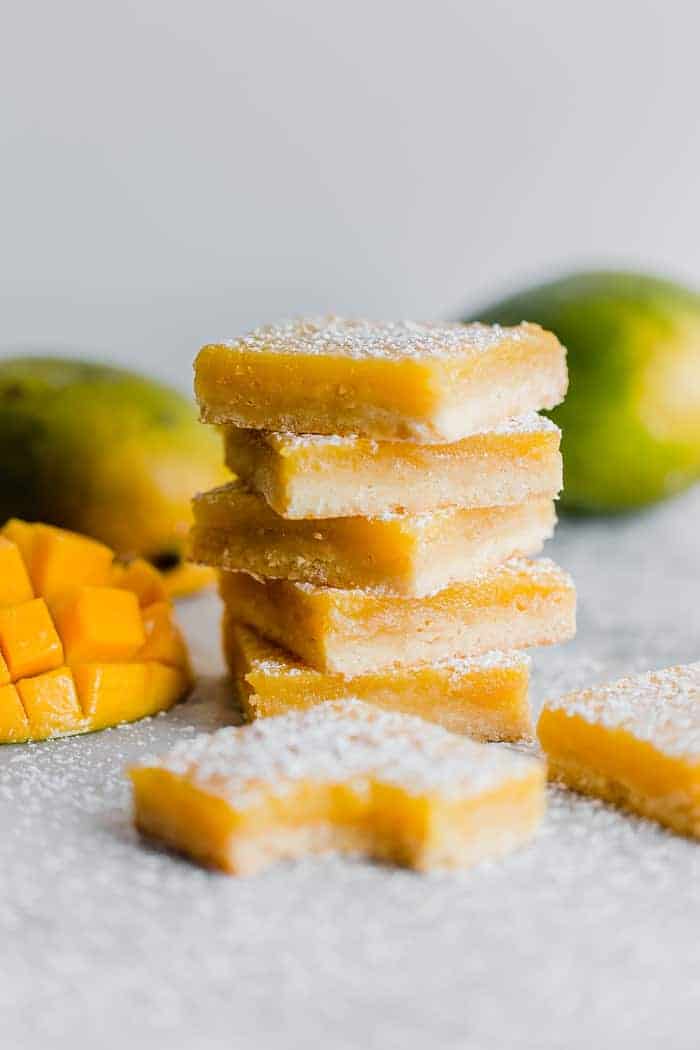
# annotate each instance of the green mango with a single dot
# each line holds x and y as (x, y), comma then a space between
(631, 420)
(105, 452)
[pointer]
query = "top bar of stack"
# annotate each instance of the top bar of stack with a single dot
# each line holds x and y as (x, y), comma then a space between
(387, 472)
(427, 383)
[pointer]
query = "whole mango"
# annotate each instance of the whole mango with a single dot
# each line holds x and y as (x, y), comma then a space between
(108, 453)
(631, 420)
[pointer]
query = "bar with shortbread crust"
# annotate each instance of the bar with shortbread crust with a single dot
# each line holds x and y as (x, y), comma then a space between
(236, 530)
(521, 603)
(485, 697)
(635, 743)
(343, 777)
(384, 380)
(327, 476)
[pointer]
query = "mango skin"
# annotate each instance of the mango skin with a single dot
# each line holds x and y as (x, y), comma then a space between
(108, 453)
(631, 420)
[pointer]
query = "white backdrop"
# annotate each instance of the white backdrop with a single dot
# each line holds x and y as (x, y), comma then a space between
(175, 171)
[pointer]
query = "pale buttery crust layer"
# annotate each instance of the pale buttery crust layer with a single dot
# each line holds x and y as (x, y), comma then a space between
(411, 555)
(342, 777)
(486, 698)
(333, 477)
(635, 743)
(386, 380)
(522, 603)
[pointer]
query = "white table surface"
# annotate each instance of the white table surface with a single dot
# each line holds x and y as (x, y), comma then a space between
(588, 938)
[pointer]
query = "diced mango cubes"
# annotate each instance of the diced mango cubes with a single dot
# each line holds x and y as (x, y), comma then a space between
(51, 703)
(100, 623)
(28, 639)
(142, 578)
(112, 693)
(13, 717)
(84, 643)
(4, 672)
(164, 642)
(62, 559)
(15, 585)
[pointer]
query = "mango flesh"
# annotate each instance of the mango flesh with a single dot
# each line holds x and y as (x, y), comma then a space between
(85, 643)
(107, 453)
(631, 419)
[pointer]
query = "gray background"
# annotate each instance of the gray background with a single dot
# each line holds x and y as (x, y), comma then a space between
(172, 172)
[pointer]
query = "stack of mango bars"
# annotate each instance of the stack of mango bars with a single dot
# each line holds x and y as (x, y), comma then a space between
(393, 481)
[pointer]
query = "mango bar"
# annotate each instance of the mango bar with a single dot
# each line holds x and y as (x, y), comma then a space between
(84, 644)
(384, 380)
(522, 603)
(321, 476)
(635, 743)
(238, 531)
(485, 698)
(341, 777)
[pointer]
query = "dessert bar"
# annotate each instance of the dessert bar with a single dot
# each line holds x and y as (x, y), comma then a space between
(343, 776)
(635, 742)
(326, 476)
(521, 603)
(386, 380)
(397, 554)
(484, 697)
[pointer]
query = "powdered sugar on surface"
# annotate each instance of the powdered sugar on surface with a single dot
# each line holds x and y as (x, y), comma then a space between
(585, 939)
(388, 340)
(660, 707)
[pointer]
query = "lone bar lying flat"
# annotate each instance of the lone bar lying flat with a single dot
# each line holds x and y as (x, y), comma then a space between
(386, 380)
(522, 603)
(636, 743)
(316, 476)
(485, 697)
(394, 554)
(343, 776)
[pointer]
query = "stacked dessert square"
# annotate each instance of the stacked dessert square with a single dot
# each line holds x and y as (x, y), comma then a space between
(393, 481)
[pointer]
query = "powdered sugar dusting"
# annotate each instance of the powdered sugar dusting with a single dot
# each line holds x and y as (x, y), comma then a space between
(336, 742)
(660, 707)
(341, 337)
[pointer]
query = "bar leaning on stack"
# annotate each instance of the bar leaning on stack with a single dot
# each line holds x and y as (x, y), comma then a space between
(393, 481)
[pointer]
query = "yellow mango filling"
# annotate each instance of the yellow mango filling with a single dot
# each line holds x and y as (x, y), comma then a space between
(424, 382)
(75, 653)
(635, 743)
(485, 698)
(400, 554)
(520, 604)
(342, 776)
(316, 476)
